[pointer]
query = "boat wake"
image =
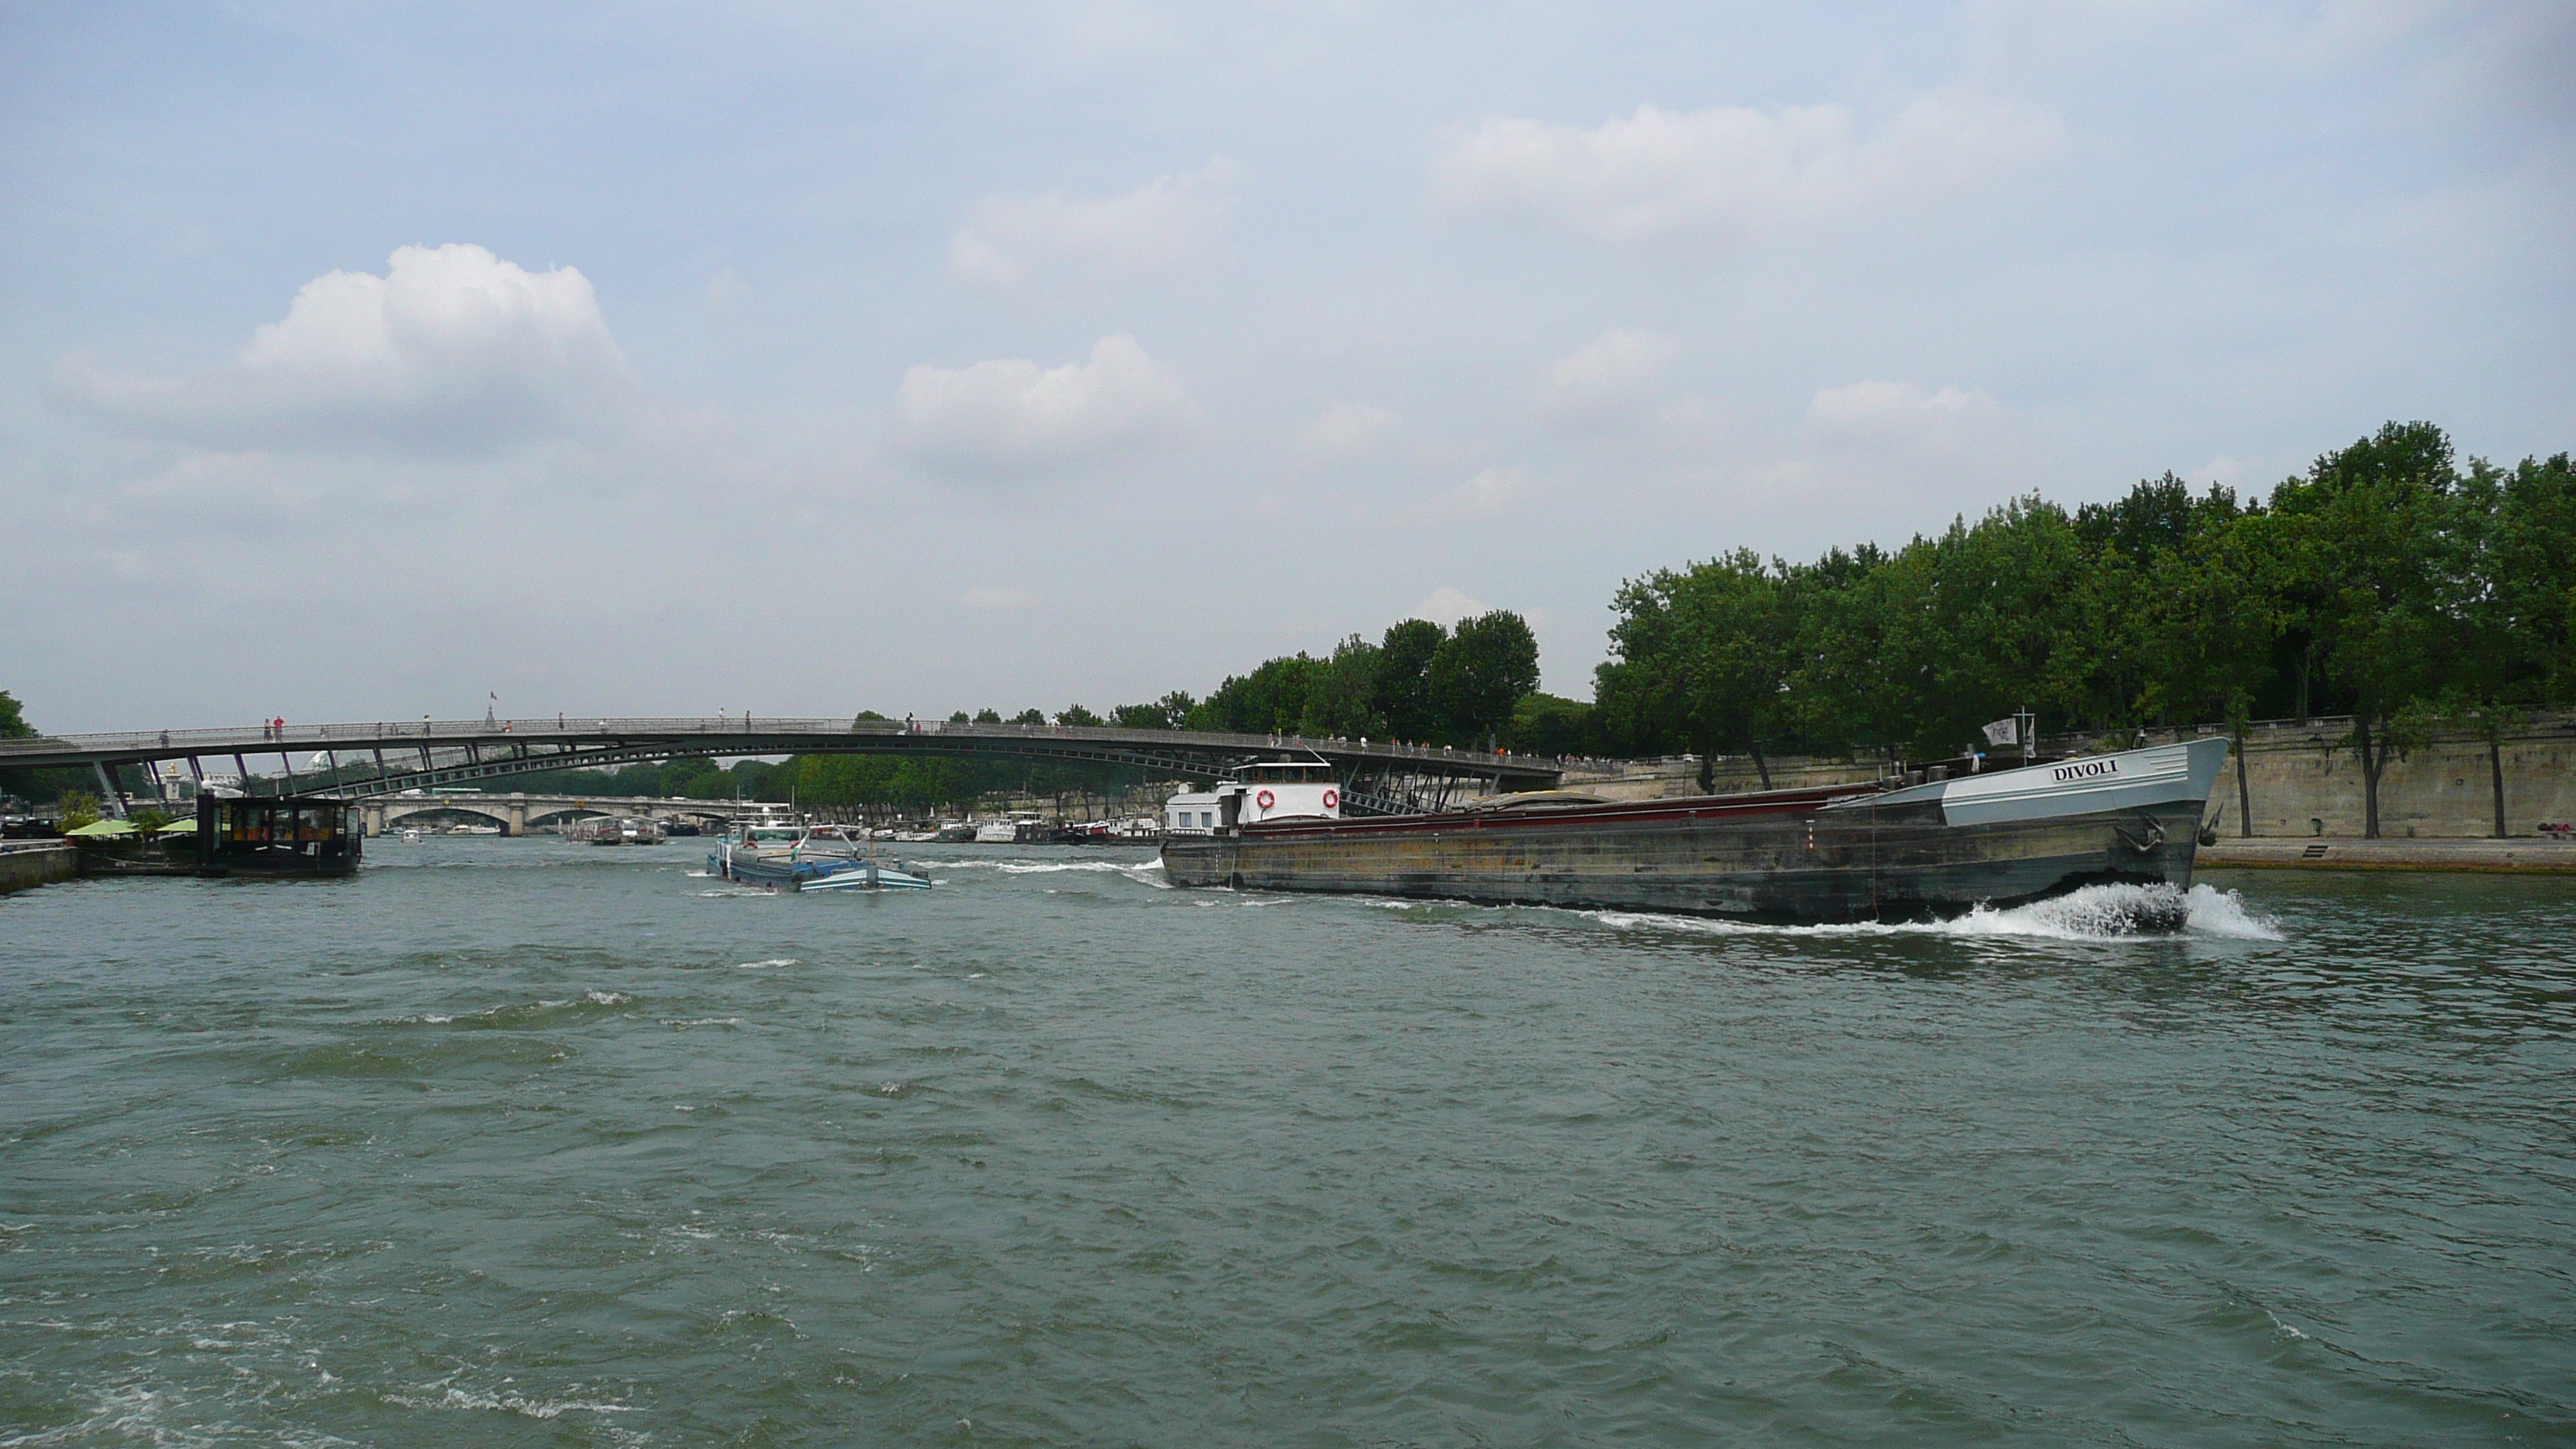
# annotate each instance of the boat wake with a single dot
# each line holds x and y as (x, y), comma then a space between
(2095, 913)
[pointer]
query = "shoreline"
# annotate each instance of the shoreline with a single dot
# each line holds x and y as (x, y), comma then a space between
(2522, 855)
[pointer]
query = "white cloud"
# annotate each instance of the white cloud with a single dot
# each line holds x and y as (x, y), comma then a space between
(1349, 429)
(452, 351)
(1166, 220)
(1611, 375)
(725, 291)
(1873, 413)
(1446, 607)
(1731, 171)
(1878, 442)
(980, 598)
(1492, 491)
(1009, 415)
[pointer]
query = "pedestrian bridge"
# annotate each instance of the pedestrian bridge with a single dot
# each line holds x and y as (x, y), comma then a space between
(386, 757)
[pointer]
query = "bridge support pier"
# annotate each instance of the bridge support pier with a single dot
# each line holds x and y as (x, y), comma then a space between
(517, 824)
(371, 819)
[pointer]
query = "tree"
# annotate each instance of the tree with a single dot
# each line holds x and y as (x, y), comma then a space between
(1340, 693)
(2518, 604)
(1544, 724)
(1076, 717)
(988, 716)
(1701, 655)
(2522, 578)
(1030, 717)
(2209, 631)
(74, 809)
(1269, 700)
(1140, 717)
(13, 719)
(2371, 540)
(1401, 693)
(1483, 669)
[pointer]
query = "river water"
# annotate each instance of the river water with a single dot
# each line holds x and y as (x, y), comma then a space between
(525, 1142)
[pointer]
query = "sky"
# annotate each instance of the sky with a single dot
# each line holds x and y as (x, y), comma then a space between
(367, 362)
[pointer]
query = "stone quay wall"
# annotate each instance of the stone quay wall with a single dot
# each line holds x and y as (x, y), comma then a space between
(33, 864)
(2304, 779)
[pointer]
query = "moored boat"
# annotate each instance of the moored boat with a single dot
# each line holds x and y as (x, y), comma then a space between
(1928, 844)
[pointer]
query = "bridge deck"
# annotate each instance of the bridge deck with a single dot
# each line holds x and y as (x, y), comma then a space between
(440, 751)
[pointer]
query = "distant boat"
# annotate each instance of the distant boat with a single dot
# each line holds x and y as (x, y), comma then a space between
(621, 831)
(1021, 829)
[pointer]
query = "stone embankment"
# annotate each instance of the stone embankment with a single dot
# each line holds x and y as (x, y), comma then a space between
(2511, 857)
(25, 863)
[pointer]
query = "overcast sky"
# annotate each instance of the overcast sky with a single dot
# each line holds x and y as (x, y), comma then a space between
(363, 361)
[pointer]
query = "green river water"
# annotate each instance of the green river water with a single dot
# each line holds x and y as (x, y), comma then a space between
(523, 1142)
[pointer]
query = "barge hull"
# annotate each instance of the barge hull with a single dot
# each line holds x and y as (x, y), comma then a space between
(1791, 857)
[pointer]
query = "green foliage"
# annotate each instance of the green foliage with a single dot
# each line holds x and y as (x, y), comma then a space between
(988, 716)
(1076, 717)
(1030, 717)
(149, 819)
(1702, 655)
(1544, 724)
(1269, 700)
(13, 719)
(1341, 693)
(1402, 695)
(74, 809)
(1481, 671)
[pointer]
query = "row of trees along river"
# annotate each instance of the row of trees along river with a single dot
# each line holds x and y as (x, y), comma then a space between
(2390, 583)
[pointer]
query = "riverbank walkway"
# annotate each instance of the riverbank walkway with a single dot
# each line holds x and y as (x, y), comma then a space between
(2514, 855)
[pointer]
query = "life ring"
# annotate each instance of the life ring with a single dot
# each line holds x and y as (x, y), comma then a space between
(1265, 799)
(1332, 797)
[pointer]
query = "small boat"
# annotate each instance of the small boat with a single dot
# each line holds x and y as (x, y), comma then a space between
(1021, 829)
(620, 831)
(786, 858)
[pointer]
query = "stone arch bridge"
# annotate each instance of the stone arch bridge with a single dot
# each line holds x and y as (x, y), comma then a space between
(518, 812)
(370, 761)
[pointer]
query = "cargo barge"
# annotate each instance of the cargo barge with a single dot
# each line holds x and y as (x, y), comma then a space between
(1933, 843)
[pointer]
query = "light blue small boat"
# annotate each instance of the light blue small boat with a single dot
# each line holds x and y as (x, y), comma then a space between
(781, 860)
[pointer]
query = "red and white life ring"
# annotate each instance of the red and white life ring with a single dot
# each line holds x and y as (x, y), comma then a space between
(1265, 799)
(1332, 797)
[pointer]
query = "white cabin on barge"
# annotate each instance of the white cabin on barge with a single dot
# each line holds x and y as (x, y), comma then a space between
(1273, 790)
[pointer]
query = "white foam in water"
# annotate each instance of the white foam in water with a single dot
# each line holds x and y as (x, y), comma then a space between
(2095, 913)
(769, 965)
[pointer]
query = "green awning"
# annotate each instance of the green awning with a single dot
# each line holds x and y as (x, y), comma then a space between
(181, 826)
(104, 827)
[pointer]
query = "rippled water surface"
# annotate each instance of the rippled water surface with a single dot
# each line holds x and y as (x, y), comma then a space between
(517, 1141)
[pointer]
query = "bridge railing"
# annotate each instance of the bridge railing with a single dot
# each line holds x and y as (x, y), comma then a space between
(761, 735)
